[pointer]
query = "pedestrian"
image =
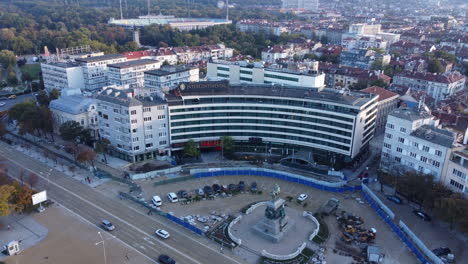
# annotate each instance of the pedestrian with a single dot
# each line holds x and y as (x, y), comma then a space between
(126, 256)
(221, 250)
(8, 227)
(149, 212)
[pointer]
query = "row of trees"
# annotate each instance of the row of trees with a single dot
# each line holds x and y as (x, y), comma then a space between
(225, 142)
(445, 204)
(8, 62)
(15, 196)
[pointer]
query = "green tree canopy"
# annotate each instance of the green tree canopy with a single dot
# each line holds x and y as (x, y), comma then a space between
(227, 143)
(7, 58)
(102, 147)
(54, 94)
(191, 149)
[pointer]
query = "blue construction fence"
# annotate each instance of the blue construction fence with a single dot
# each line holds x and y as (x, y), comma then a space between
(181, 222)
(321, 185)
(396, 229)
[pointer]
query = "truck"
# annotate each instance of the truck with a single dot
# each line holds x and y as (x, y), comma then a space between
(330, 206)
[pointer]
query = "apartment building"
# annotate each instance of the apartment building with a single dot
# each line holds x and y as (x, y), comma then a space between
(439, 86)
(414, 142)
(242, 72)
(62, 75)
(136, 128)
(321, 121)
(387, 102)
(168, 77)
(456, 173)
(130, 74)
(95, 70)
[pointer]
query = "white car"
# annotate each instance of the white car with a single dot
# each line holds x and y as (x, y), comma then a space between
(162, 233)
(156, 200)
(2, 103)
(302, 197)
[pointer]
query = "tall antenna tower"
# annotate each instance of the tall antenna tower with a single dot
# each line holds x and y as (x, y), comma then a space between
(148, 5)
(227, 10)
(121, 13)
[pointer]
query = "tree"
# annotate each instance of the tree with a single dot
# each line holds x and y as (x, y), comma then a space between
(191, 149)
(7, 58)
(33, 179)
(227, 143)
(435, 66)
(377, 65)
(6, 195)
(22, 197)
(71, 131)
(16, 111)
(54, 94)
(11, 78)
(102, 147)
(86, 155)
(361, 84)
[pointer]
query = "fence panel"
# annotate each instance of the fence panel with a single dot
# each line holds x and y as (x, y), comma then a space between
(184, 224)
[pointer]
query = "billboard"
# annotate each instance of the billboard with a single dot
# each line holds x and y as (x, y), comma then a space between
(39, 197)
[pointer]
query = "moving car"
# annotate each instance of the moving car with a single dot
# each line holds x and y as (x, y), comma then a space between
(253, 187)
(422, 215)
(156, 200)
(162, 233)
(216, 188)
(172, 197)
(107, 225)
(241, 186)
(165, 259)
(442, 251)
(394, 199)
(302, 197)
(183, 194)
(12, 96)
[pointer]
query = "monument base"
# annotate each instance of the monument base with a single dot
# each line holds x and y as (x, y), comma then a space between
(272, 230)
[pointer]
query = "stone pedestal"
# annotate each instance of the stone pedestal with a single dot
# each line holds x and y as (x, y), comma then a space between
(275, 222)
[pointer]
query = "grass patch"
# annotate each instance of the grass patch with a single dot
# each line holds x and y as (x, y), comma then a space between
(32, 69)
(323, 231)
(302, 258)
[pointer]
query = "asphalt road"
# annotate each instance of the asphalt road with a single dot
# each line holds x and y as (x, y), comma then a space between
(10, 102)
(133, 227)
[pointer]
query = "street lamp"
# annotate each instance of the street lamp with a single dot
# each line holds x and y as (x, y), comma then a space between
(103, 246)
(48, 177)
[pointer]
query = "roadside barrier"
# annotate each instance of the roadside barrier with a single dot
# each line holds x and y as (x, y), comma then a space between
(190, 227)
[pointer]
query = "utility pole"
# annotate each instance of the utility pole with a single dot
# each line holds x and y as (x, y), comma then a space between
(121, 13)
(227, 10)
(148, 6)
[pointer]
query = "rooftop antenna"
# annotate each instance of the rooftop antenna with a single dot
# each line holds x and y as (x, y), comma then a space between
(121, 13)
(421, 102)
(148, 5)
(227, 10)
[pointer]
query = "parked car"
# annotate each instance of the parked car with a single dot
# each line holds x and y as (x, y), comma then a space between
(208, 191)
(394, 199)
(12, 96)
(2, 103)
(172, 197)
(253, 187)
(183, 194)
(241, 186)
(200, 191)
(216, 188)
(107, 225)
(165, 259)
(156, 200)
(442, 251)
(162, 233)
(224, 188)
(422, 215)
(232, 187)
(302, 197)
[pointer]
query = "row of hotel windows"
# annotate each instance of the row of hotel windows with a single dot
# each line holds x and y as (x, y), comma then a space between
(260, 121)
(260, 128)
(274, 101)
(413, 155)
(300, 140)
(262, 115)
(212, 108)
(415, 144)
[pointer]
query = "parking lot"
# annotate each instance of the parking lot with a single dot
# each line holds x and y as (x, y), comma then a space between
(394, 250)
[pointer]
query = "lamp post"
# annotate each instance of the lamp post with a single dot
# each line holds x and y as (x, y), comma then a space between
(103, 246)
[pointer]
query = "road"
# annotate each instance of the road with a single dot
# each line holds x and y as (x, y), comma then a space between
(133, 227)
(10, 102)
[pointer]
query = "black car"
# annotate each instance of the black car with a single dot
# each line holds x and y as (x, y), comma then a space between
(422, 215)
(253, 187)
(183, 194)
(241, 186)
(165, 259)
(208, 190)
(394, 199)
(232, 187)
(216, 188)
(442, 251)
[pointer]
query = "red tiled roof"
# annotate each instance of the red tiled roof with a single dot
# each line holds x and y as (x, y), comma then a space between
(383, 94)
(440, 78)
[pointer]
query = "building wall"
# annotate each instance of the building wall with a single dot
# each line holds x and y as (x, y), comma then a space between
(384, 108)
(95, 73)
(154, 83)
(439, 91)
(456, 173)
(62, 77)
(131, 77)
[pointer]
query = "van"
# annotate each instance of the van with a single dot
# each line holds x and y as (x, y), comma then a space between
(156, 200)
(172, 197)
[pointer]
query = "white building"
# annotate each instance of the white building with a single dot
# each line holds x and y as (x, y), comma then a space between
(241, 72)
(388, 101)
(62, 75)
(95, 70)
(324, 122)
(136, 128)
(75, 108)
(439, 86)
(130, 74)
(412, 141)
(168, 77)
(310, 5)
(364, 29)
(456, 173)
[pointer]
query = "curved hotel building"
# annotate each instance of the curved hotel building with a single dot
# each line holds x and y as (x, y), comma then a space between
(273, 118)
